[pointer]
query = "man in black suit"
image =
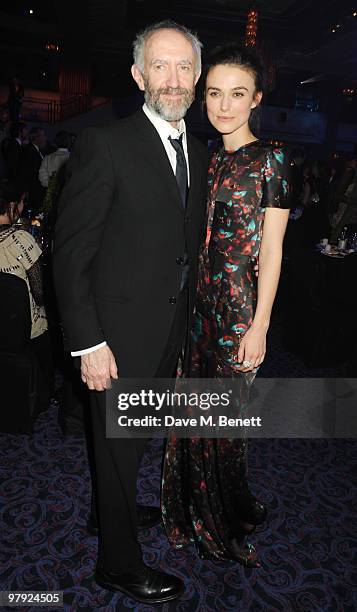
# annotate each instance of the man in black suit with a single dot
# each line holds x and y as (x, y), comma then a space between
(129, 227)
(12, 147)
(29, 166)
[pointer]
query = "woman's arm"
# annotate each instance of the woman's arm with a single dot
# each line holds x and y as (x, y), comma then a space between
(270, 257)
(34, 275)
(25, 249)
(253, 345)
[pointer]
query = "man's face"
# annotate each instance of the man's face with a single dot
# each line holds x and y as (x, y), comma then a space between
(24, 133)
(169, 76)
(41, 139)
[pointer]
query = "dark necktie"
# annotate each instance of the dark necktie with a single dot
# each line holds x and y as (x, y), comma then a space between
(181, 167)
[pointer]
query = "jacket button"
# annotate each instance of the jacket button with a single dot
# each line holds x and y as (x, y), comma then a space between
(172, 300)
(179, 261)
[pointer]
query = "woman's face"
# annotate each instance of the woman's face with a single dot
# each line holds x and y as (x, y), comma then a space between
(230, 97)
(21, 205)
(16, 210)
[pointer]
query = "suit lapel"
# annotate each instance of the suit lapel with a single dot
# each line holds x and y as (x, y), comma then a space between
(153, 149)
(195, 173)
(36, 153)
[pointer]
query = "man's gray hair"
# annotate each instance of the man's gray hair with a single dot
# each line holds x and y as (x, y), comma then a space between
(144, 35)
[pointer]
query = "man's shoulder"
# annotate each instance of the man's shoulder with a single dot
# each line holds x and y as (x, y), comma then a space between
(12, 142)
(27, 150)
(114, 128)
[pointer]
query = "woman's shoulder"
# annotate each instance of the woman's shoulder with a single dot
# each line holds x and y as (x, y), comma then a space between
(23, 237)
(273, 150)
(10, 235)
(7, 233)
(25, 245)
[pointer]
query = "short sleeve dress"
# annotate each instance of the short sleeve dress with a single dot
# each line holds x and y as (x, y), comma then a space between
(198, 504)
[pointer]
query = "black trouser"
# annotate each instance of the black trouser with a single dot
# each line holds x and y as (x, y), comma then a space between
(74, 402)
(117, 462)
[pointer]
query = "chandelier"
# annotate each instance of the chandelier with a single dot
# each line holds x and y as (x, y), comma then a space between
(251, 28)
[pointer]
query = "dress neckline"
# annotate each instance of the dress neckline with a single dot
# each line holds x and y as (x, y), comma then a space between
(248, 144)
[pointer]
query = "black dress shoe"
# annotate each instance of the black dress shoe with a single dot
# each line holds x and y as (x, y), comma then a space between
(244, 553)
(144, 584)
(148, 516)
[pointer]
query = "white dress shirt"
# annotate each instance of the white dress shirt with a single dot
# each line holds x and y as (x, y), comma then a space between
(51, 163)
(165, 130)
(37, 149)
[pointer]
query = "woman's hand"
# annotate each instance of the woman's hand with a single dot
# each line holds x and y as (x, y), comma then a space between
(252, 348)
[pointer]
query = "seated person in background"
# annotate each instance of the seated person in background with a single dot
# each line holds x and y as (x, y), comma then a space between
(344, 208)
(20, 255)
(315, 219)
(297, 158)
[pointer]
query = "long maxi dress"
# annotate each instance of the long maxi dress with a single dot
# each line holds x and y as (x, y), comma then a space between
(203, 479)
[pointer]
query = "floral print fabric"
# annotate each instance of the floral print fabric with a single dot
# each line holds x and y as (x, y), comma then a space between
(204, 479)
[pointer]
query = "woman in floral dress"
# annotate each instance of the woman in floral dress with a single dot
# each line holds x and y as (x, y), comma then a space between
(205, 495)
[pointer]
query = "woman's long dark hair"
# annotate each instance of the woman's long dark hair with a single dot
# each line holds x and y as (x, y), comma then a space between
(236, 54)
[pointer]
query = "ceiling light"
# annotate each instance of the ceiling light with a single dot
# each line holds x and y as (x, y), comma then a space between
(355, 14)
(31, 11)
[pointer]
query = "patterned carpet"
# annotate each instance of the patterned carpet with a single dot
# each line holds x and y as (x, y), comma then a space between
(308, 548)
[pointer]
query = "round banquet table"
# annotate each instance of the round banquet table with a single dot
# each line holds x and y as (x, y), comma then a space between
(321, 307)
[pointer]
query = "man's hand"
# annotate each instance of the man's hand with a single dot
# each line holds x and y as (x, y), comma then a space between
(97, 368)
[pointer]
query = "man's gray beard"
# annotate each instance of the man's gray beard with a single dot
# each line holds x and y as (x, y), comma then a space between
(169, 110)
